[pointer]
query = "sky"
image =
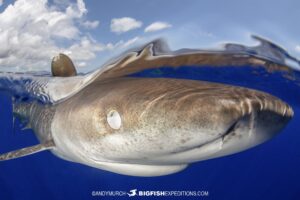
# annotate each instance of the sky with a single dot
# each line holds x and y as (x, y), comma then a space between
(92, 32)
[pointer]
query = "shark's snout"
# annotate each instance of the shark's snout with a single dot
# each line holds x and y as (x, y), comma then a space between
(235, 124)
(261, 117)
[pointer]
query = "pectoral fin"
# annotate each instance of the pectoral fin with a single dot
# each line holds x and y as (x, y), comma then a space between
(27, 151)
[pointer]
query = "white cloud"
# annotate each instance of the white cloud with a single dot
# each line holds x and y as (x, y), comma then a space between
(131, 41)
(85, 50)
(121, 25)
(297, 48)
(32, 32)
(122, 44)
(90, 24)
(76, 11)
(1, 2)
(156, 26)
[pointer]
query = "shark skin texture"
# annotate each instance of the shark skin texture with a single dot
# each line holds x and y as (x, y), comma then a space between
(143, 126)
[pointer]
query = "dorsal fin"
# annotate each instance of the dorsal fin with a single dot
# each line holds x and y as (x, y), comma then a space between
(62, 66)
(27, 151)
(43, 88)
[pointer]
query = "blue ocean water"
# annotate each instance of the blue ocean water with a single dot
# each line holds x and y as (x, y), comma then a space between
(268, 171)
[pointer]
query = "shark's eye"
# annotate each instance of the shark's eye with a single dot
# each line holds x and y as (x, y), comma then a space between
(114, 119)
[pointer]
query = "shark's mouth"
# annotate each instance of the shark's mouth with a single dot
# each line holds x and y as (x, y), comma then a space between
(250, 129)
(220, 138)
(173, 158)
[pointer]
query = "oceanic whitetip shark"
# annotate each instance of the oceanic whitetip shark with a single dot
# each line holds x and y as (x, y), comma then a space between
(145, 126)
